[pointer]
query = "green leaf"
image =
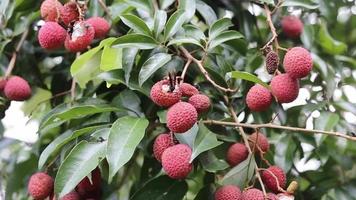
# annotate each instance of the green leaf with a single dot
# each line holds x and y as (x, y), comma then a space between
(211, 163)
(188, 137)
(162, 188)
(162, 116)
(327, 121)
(184, 41)
(285, 152)
(135, 40)
(83, 159)
(207, 12)
(152, 65)
(224, 37)
(125, 134)
(141, 4)
(39, 96)
(246, 76)
(136, 23)
(189, 7)
(219, 26)
(55, 146)
(160, 20)
(328, 43)
(174, 23)
(204, 141)
(241, 174)
(111, 59)
(128, 62)
(300, 4)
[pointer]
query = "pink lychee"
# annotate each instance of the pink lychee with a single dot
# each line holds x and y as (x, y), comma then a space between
(163, 94)
(270, 177)
(200, 102)
(236, 154)
(100, 25)
(161, 143)
(258, 98)
(298, 62)
(80, 39)
(40, 185)
(17, 89)
(292, 26)
(228, 192)
(50, 10)
(51, 36)
(181, 117)
(69, 13)
(188, 90)
(175, 161)
(285, 88)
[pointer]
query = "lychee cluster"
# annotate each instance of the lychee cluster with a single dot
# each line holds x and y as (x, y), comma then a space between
(65, 26)
(15, 88)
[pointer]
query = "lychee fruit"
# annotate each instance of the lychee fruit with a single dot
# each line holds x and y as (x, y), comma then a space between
(270, 177)
(228, 192)
(17, 89)
(271, 196)
(175, 161)
(3, 82)
(100, 25)
(298, 62)
(236, 154)
(181, 117)
(81, 37)
(70, 196)
(258, 98)
(163, 94)
(292, 26)
(272, 62)
(252, 194)
(284, 88)
(161, 143)
(50, 10)
(262, 144)
(51, 36)
(69, 13)
(85, 188)
(200, 102)
(188, 90)
(40, 185)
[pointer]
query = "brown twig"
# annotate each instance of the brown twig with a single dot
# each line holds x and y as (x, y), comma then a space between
(275, 126)
(273, 29)
(105, 8)
(14, 54)
(185, 69)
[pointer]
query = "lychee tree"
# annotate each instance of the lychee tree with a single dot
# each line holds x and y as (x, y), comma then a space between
(188, 99)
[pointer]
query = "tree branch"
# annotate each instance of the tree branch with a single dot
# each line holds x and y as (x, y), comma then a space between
(186, 66)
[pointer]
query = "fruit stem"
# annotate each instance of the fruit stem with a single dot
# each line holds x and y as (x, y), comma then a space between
(185, 69)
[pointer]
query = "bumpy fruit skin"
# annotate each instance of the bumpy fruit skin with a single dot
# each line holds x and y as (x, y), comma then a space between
(50, 10)
(17, 89)
(51, 36)
(258, 98)
(175, 161)
(162, 96)
(3, 82)
(69, 13)
(262, 142)
(272, 62)
(271, 196)
(285, 88)
(200, 102)
(100, 25)
(188, 90)
(181, 117)
(252, 194)
(298, 62)
(80, 39)
(87, 189)
(270, 181)
(236, 154)
(228, 192)
(292, 26)
(161, 143)
(40, 185)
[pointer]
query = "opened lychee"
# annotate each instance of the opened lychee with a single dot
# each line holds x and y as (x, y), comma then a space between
(274, 176)
(69, 13)
(164, 94)
(236, 154)
(284, 88)
(50, 10)
(161, 143)
(81, 37)
(298, 62)
(188, 90)
(292, 26)
(40, 185)
(258, 98)
(259, 142)
(200, 102)
(181, 117)
(100, 25)
(228, 192)
(51, 36)
(17, 89)
(175, 161)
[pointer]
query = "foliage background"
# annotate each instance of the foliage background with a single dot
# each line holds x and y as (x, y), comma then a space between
(329, 33)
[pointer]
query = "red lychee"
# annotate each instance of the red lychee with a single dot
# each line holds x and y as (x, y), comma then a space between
(271, 196)
(270, 181)
(51, 36)
(181, 117)
(285, 88)
(50, 10)
(262, 144)
(164, 95)
(292, 26)
(272, 62)
(298, 62)
(40, 185)
(80, 39)
(17, 89)
(161, 143)
(175, 161)
(258, 98)
(252, 194)
(69, 13)
(228, 192)
(86, 188)
(3, 82)
(200, 102)
(188, 90)
(100, 25)
(236, 154)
